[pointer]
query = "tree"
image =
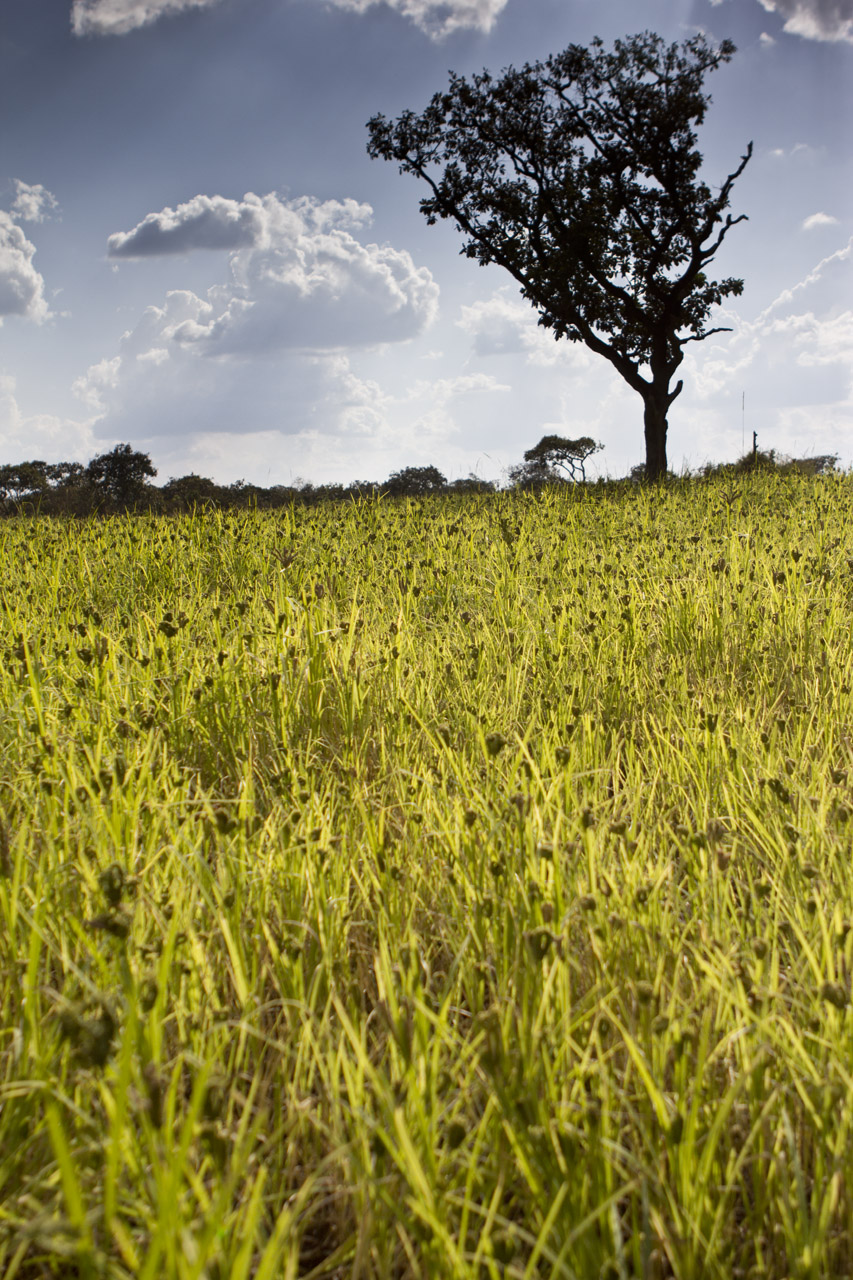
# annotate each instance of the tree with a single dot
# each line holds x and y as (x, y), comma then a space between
(531, 476)
(121, 474)
(63, 475)
(580, 176)
(23, 479)
(568, 455)
(192, 490)
(414, 482)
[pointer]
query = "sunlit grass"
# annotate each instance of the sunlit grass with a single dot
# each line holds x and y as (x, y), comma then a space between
(446, 889)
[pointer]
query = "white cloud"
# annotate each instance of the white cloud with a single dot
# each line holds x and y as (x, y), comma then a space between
(118, 17)
(216, 222)
(143, 395)
(298, 277)
(21, 285)
(816, 274)
(819, 220)
(205, 222)
(438, 18)
(766, 40)
(818, 341)
(801, 152)
(99, 379)
(300, 288)
(505, 324)
(33, 203)
(794, 362)
(28, 436)
(815, 19)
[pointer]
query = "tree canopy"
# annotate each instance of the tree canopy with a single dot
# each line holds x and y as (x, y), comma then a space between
(121, 474)
(580, 175)
(559, 453)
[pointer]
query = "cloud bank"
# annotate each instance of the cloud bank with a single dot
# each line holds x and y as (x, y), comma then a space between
(437, 18)
(815, 19)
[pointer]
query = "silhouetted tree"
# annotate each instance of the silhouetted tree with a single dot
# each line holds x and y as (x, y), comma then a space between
(186, 492)
(558, 453)
(471, 484)
(579, 175)
(66, 474)
(769, 460)
(531, 475)
(121, 475)
(414, 482)
(20, 480)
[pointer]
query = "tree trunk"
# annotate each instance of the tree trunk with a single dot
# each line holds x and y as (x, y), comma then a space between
(654, 420)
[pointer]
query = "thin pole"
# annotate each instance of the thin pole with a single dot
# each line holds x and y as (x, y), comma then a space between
(742, 423)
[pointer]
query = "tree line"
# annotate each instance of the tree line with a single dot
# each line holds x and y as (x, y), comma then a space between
(120, 481)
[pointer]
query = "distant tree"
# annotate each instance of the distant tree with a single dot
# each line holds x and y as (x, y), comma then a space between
(20, 480)
(120, 476)
(414, 482)
(558, 453)
(532, 475)
(191, 490)
(821, 464)
(471, 484)
(66, 474)
(769, 460)
(579, 175)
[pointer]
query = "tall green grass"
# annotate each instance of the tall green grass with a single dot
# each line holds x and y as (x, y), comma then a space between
(447, 889)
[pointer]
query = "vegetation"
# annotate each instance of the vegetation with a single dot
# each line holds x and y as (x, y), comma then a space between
(579, 175)
(553, 455)
(119, 481)
(457, 887)
(415, 482)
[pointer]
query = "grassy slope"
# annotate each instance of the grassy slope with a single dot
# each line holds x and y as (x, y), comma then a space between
(452, 889)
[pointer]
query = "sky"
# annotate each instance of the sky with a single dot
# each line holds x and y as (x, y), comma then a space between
(198, 256)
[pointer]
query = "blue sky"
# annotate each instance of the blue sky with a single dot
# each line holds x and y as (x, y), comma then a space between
(198, 256)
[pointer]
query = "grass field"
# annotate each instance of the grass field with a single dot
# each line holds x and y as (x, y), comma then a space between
(446, 889)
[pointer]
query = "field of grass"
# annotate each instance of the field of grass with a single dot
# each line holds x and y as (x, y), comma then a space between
(452, 889)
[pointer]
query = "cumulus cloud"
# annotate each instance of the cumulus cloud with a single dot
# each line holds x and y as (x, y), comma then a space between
(215, 222)
(118, 17)
(819, 220)
(205, 222)
(32, 203)
(299, 287)
(438, 18)
(298, 277)
(21, 285)
(815, 19)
